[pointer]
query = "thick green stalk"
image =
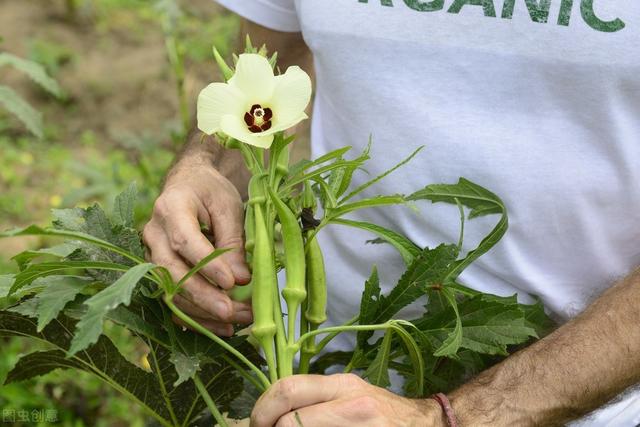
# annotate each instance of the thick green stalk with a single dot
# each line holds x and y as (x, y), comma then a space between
(210, 403)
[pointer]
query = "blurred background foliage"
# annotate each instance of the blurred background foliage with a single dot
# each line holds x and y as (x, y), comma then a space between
(130, 71)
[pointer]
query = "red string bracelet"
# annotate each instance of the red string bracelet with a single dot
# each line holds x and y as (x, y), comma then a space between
(443, 400)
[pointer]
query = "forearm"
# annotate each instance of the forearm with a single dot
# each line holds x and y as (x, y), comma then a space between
(574, 370)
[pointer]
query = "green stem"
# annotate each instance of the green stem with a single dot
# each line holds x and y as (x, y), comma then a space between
(210, 404)
(163, 389)
(326, 340)
(344, 328)
(195, 325)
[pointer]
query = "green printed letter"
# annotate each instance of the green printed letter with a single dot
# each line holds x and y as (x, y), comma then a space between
(565, 12)
(489, 9)
(589, 16)
(539, 11)
(425, 6)
(382, 2)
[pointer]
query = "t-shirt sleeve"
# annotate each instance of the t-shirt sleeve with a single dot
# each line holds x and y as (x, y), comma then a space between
(279, 15)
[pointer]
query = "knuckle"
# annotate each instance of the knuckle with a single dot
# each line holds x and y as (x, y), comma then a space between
(177, 241)
(161, 207)
(364, 406)
(350, 380)
(288, 420)
(285, 389)
(257, 419)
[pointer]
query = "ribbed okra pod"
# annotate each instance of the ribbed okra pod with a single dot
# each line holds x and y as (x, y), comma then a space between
(294, 292)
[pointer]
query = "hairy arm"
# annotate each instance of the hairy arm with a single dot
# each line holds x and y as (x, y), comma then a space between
(574, 370)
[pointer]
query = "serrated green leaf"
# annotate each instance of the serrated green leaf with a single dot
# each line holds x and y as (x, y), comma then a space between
(60, 268)
(489, 325)
(453, 341)
(46, 305)
(89, 328)
(378, 372)
(407, 249)
(20, 108)
(372, 202)
(368, 306)
(105, 361)
(34, 70)
(481, 202)
(6, 282)
(428, 269)
(186, 366)
(380, 177)
(413, 351)
(124, 207)
(59, 251)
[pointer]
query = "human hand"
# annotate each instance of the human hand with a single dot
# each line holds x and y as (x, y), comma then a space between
(339, 400)
(195, 193)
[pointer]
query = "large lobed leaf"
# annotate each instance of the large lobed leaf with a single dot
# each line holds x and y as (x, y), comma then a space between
(154, 391)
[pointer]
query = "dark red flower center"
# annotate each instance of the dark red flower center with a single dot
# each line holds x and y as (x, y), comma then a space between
(258, 119)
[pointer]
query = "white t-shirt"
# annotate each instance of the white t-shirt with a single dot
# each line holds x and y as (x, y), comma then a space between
(538, 101)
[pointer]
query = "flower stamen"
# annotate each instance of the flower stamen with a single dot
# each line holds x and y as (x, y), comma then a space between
(258, 119)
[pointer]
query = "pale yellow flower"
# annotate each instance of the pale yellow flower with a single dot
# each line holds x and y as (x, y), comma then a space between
(254, 104)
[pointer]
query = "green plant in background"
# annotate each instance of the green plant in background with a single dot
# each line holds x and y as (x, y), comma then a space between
(171, 17)
(67, 293)
(16, 104)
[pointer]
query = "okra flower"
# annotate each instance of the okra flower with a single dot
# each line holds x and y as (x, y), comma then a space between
(254, 104)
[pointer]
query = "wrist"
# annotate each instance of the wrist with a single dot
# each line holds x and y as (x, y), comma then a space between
(434, 414)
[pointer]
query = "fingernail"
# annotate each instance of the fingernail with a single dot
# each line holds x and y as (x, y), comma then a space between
(241, 273)
(222, 310)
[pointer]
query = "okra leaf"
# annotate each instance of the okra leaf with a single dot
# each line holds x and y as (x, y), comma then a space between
(368, 307)
(124, 207)
(372, 202)
(59, 251)
(61, 268)
(429, 268)
(407, 249)
(186, 366)
(489, 324)
(380, 177)
(89, 328)
(452, 343)
(6, 282)
(378, 372)
(413, 351)
(105, 361)
(47, 304)
(481, 202)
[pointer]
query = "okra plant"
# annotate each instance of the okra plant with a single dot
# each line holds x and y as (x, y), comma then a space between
(64, 294)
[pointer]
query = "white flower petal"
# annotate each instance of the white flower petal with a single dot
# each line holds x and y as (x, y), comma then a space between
(215, 101)
(254, 77)
(291, 96)
(280, 126)
(236, 128)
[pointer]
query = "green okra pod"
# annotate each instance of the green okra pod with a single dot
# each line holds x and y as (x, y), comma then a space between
(316, 312)
(264, 280)
(294, 291)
